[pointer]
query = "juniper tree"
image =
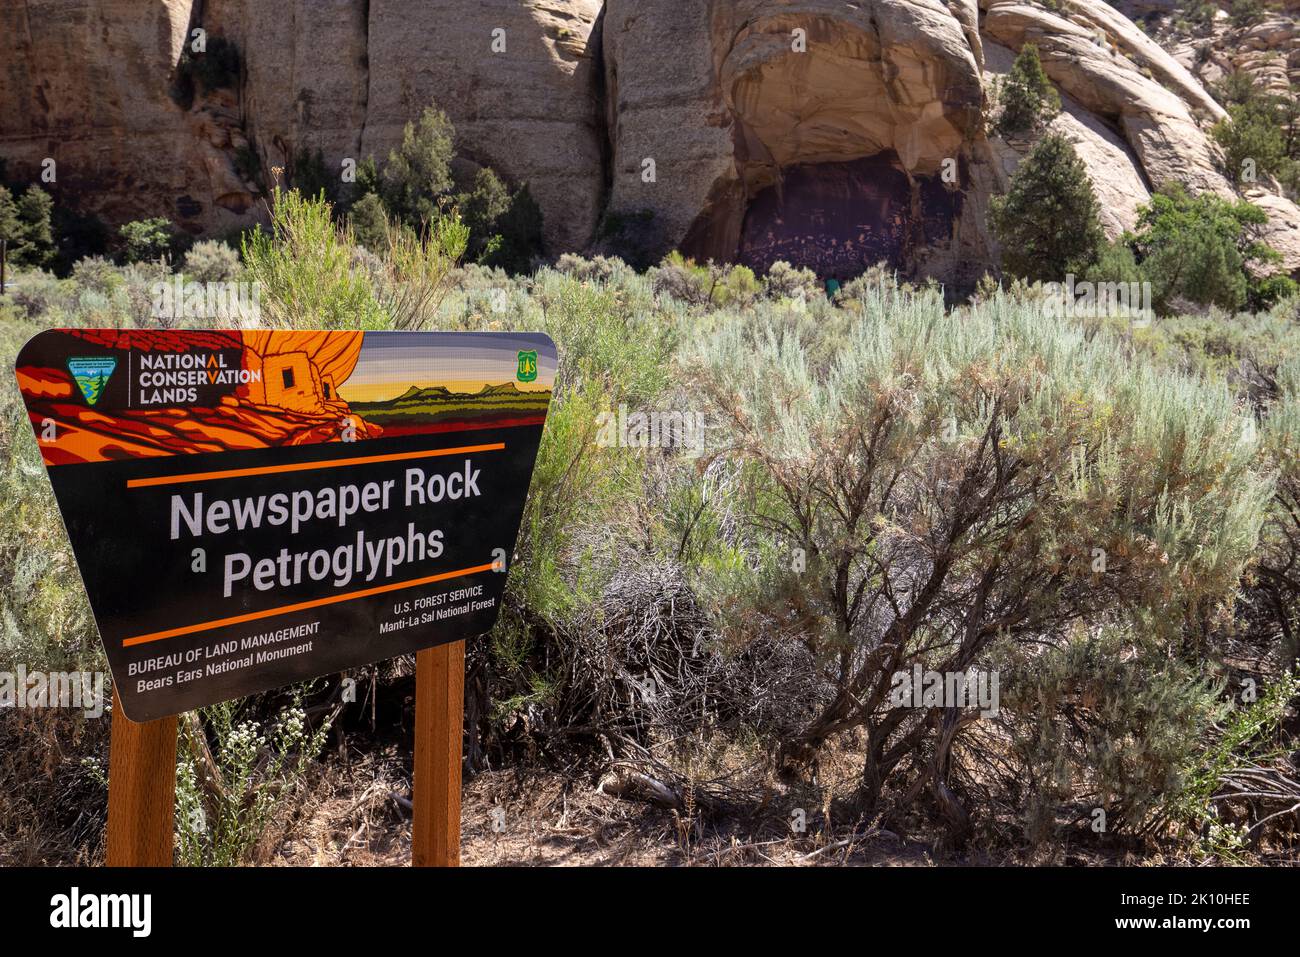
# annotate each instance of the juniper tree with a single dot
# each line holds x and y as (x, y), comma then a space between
(1028, 96)
(1047, 223)
(25, 222)
(417, 176)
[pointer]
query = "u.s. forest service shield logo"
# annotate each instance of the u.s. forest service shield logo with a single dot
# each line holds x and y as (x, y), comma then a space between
(527, 366)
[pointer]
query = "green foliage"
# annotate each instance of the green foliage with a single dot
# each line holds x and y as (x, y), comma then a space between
(26, 224)
(1047, 223)
(1261, 136)
(519, 232)
(229, 788)
(415, 271)
(784, 281)
(710, 284)
(933, 470)
(1252, 140)
(1105, 721)
(145, 240)
(417, 188)
(1115, 263)
(1205, 249)
(211, 261)
(45, 620)
(1195, 16)
(581, 488)
(482, 207)
(595, 269)
(417, 178)
(369, 222)
(1280, 547)
(1248, 737)
(309, 175)
(306, 270)
(1027, 96)
(1235, 88)
(1245, 13)
(834, 529)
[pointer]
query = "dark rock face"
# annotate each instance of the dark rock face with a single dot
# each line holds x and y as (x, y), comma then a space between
(839, 219)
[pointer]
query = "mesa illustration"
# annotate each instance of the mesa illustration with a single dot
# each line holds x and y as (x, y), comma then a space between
(279, 388)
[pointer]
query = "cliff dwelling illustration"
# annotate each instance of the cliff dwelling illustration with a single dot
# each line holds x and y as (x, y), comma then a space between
(258, 389)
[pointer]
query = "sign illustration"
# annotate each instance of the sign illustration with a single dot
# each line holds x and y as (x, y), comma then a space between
(253, 508)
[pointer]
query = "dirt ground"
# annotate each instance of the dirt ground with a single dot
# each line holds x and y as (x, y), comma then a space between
(357, 814)
(543, 820)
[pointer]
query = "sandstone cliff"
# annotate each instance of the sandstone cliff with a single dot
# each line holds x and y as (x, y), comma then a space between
(724, 120)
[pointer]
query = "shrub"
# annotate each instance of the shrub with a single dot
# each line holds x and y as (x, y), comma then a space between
(1245, 13)
(211, 261)
(1115, 263)
(1206, 250)
(1027, 96)
(930, 483)
(1047, 222)
(97, 274)
(784, 281)
(416, 270)
(519, 234)
(145, 240)
(1252, 141)
(45, 620)
(1103, 721)
(595, 269)
(140, 281)
(1280, 551)
(481, 207)
(417, 177)
(711, 284)
(1261, 136)
(227, 796)
(369, 222)
(304, 265)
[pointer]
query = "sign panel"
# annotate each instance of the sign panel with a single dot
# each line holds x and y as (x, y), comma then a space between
(253, 508)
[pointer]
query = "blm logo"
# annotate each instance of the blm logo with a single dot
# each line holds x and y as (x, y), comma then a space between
(91, 375)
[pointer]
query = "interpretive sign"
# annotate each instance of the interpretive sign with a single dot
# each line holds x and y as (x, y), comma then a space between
(253, 508)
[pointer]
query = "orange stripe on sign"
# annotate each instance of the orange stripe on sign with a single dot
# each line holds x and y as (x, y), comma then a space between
(303, 605)
(309, 466)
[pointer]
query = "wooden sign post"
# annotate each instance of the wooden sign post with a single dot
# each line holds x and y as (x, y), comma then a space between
(141, 791)
(142, 772)
(439, 725)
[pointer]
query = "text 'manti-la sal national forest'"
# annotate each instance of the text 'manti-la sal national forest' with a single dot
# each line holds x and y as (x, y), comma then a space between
(254, 508)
